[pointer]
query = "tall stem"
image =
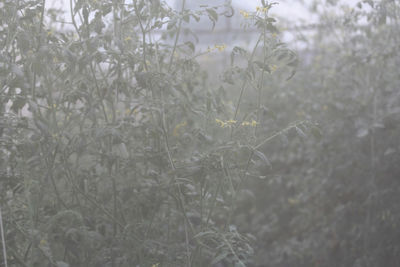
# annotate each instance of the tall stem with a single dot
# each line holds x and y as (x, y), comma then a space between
(38, 46)
(3, 241)
(244, 83)
(171, 59)
(143, 30)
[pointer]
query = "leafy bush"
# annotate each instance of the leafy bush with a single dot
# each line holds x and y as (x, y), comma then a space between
(116, 149)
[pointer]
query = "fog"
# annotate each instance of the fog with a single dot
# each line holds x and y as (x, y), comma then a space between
(199, 133)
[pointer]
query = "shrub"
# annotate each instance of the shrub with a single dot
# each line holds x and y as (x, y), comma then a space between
(116, 149)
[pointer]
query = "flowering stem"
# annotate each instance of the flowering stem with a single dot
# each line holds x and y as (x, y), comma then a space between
(244, 83)
(261, 82)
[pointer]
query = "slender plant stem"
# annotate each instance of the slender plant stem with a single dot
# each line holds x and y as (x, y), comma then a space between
(167, 147)
(233, 252)
(50, 167)
(259, 89)
(143, 36)
(9, 39)
(244, 83)
(189, 262)
(3, 240)
(38, 46)
(98, 93)
(243, 87)
(73, 19)
(261, 82)
(171, 59)
(213, 204)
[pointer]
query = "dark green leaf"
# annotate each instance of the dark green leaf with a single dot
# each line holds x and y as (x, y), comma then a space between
(262, 157)
(212, 14)
(220, 257)
(263, 66)
(190, 45)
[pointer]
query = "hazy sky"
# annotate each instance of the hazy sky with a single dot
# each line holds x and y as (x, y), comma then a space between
(290, 9)
(288, 12)
(293, 10)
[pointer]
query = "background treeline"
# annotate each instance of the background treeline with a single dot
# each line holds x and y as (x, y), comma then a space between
(118, 150)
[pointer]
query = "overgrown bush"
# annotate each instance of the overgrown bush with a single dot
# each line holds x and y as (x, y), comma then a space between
(116, 149)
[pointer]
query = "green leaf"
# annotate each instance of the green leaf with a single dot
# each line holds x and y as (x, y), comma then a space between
(201, 234)
(62, 264)
(98, 23)
(262, 157)
(239, 264)
(272, 28)
(212, 14)
(106, 9)
(18, 104)
(291, 75)
(85, 14)
(171, 24)
(197, 18)
(186, 18)
(237, 51)
(190, 45)
(293, 63)
(78, 5)
(300, 132)
(263, 3)
(42, 126)
(316, 132)
(263, 66)
(220, 257)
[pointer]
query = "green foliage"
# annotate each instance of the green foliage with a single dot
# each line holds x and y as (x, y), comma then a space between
(331, 200)
(113, 150)
(119, 148)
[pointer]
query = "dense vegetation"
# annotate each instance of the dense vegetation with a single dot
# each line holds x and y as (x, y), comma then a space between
(119, 147)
